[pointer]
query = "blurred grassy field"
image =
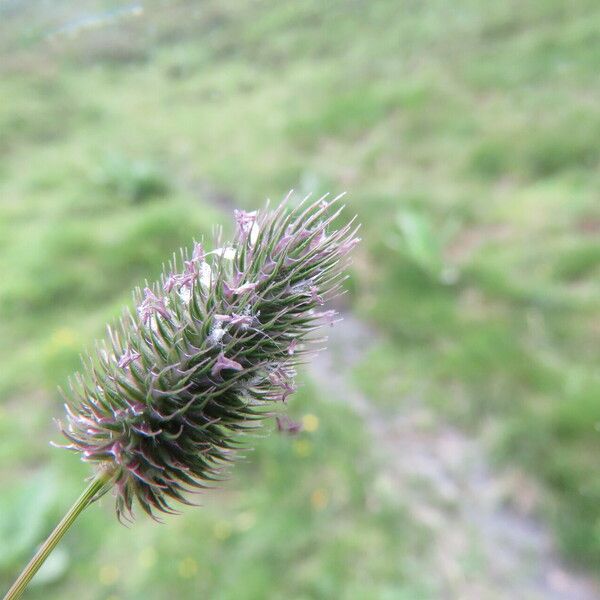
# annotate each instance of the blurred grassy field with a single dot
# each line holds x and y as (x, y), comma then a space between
(468, 136)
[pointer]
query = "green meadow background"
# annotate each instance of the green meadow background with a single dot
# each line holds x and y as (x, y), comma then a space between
(467, 135)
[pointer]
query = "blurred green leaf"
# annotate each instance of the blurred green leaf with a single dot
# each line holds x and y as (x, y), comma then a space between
(420, 242)
(23, 517)
(132, 180)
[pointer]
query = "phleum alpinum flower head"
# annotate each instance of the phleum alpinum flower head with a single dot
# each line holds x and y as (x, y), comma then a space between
(164, 401)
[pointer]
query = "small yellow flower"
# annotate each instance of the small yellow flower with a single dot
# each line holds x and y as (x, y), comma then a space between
(222, 530)
(188, 567)
(63, 338)
(108, 574)
(310, 423)
(319, 499)
(147, 558)
(302, 448)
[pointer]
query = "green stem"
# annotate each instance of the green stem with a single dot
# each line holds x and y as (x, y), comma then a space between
(92, 490)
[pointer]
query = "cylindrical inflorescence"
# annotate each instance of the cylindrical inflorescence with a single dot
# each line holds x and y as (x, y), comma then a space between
(163, 401)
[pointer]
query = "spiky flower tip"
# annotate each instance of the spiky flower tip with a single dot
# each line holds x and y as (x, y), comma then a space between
(164, 401)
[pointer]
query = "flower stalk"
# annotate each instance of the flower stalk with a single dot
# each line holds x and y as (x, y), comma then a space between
(95, 489)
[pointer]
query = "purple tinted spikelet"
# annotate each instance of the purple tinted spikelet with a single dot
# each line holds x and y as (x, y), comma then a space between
(165, 398)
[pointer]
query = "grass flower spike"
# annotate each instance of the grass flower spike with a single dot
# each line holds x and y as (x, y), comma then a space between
(162, 404)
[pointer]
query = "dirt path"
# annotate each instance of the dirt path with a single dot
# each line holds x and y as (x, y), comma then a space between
(485, 549)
